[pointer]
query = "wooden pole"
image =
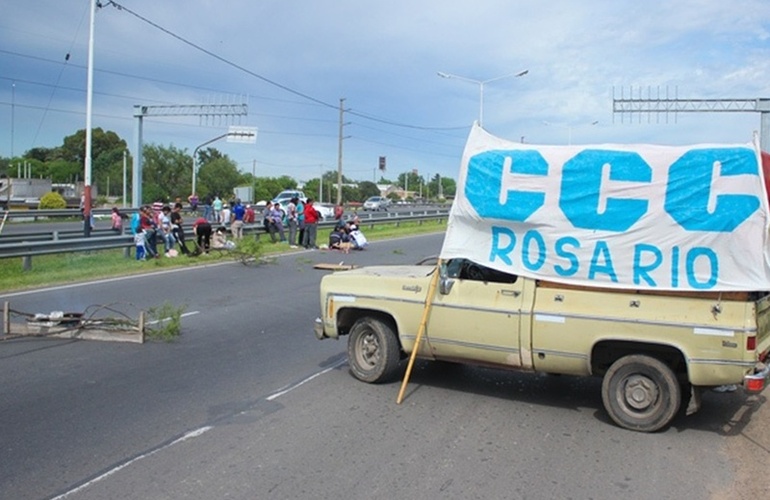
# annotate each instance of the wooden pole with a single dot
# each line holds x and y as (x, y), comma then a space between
(420, 332)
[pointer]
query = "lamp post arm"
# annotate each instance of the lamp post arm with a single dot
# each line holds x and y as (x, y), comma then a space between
(195, 153)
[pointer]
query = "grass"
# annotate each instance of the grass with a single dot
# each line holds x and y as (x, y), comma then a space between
(73, 267)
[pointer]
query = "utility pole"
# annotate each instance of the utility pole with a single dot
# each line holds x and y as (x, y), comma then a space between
(89, 132)
(125, 163)
(339, 153)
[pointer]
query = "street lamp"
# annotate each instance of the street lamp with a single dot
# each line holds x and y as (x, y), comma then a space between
(481, 84)
(249, 135)
(568, 127)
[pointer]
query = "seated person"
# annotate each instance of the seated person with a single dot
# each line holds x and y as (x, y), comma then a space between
(219, 240)
(339, 239)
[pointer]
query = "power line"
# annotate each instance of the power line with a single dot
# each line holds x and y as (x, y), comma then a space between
(272, 82)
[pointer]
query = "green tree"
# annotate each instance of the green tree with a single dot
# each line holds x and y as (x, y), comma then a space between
(367, 189)
(167, 173)
(61, 171)
(106, 155)
(219, 177)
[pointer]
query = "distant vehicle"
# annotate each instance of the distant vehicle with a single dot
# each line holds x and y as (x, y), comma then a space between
(326, 211)
(285, 196)
(376, 203)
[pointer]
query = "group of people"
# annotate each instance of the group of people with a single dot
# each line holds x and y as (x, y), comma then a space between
(154, 223)
(347, 236)
(300, 217)
(161, 223)
(219, 212)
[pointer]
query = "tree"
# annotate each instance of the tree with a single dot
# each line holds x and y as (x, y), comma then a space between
(106, 155)
(367, 189)
(167, 173)
(219, 177)
(410, 181)
(62, 171)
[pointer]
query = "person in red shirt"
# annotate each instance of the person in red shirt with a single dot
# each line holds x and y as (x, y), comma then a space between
(311, 224)
(202, 231)
(248, 217)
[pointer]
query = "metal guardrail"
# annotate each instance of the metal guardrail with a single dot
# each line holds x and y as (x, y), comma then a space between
(27, 249)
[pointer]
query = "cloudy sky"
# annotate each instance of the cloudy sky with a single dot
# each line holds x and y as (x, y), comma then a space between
(292, 60)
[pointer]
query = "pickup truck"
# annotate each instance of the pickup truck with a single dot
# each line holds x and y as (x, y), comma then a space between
(655, 350)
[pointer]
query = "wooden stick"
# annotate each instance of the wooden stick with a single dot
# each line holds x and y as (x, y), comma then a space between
(421, 331)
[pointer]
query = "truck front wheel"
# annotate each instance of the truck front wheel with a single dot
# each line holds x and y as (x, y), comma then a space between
(641, 393)
(373, 351)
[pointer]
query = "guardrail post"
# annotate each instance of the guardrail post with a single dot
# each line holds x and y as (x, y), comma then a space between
(56, 235)
(26, 263)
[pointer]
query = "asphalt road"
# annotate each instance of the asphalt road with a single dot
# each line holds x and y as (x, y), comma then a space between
(248, 404)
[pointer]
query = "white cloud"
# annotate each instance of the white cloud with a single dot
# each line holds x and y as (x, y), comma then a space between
(383, 58)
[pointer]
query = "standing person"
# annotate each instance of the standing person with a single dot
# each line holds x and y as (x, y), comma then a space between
(117, 220)
(176, 227)
(139, 242)
(217, 206)
(236, 227)
(202, 231)
(157, 208)
(193, 201)
(339, 211)
(225, 214)
(207, 208)
(301, 222)
(291, 219)
(311, 224)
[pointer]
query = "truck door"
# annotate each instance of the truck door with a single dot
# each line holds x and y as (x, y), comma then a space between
(479, 317)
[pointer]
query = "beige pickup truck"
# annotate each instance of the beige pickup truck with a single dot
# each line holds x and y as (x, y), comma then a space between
(656, 351)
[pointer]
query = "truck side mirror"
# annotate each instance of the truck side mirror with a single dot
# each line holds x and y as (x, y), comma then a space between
(445, 283)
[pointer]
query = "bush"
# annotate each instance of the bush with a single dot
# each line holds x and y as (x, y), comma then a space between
(52, 200)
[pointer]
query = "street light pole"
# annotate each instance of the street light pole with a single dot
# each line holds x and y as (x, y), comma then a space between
(481, 84)
(195, 151)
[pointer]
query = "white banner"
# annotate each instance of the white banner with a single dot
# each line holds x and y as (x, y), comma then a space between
(624, 216)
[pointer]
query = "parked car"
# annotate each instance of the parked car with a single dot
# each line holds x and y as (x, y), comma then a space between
(326, 211)
(284, 196)
(376, 203)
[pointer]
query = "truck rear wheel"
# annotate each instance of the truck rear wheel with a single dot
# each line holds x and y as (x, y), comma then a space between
(641, 393)
(373, 351)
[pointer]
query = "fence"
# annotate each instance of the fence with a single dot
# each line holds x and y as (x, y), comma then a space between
(31, 246)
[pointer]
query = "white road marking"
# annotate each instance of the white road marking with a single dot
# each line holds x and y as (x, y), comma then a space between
(189, 435)
(183, 315)
(302, 382)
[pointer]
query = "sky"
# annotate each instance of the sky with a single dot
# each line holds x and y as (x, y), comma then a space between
(291, 61)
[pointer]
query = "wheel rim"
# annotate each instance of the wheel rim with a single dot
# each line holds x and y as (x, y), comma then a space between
(640, 393)
(368, 352)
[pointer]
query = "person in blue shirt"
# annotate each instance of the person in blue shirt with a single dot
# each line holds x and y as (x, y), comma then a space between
(236, 227)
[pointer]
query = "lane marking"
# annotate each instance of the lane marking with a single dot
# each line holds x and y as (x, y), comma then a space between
(190, 435)
(290, 388)
(183, 315)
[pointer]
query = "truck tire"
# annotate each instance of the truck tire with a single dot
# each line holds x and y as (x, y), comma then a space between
(641, 393)
(373, 351)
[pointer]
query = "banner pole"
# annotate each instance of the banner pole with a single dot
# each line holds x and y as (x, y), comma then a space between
(420, 332)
